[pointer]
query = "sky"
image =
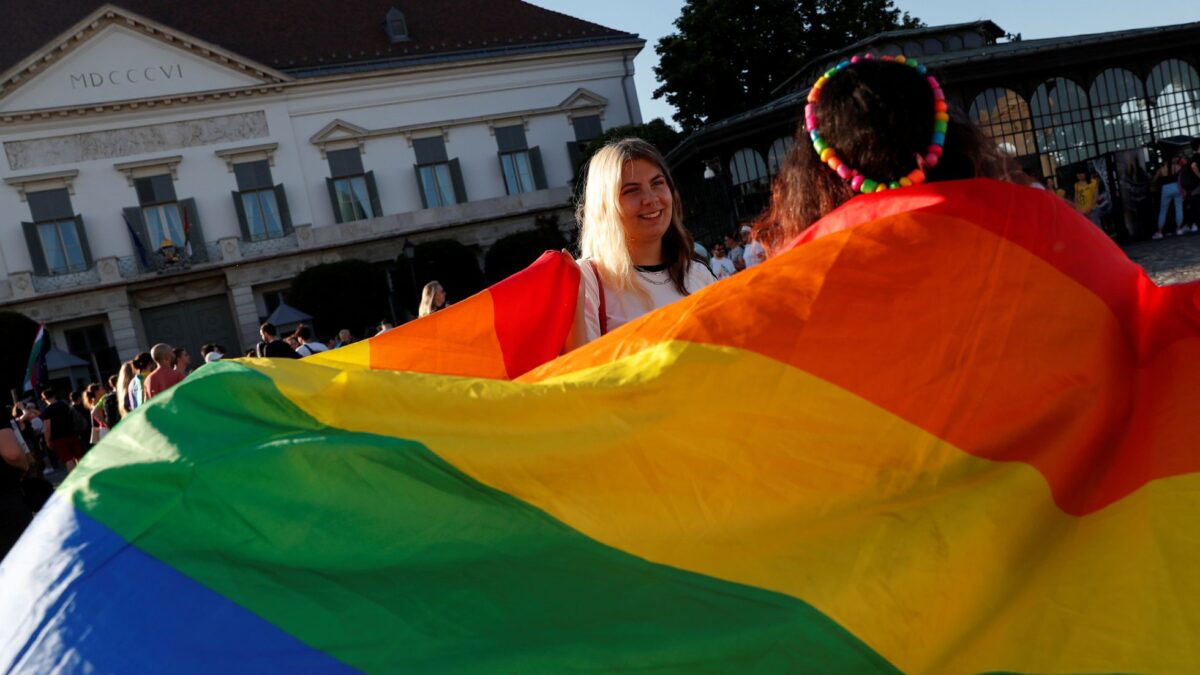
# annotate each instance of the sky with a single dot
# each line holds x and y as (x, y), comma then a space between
(652, 19)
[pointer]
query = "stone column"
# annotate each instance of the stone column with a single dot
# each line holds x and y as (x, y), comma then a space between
(245, 313)
(125, 338)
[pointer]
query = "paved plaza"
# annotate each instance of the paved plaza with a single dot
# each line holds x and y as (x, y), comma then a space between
(1173, 260)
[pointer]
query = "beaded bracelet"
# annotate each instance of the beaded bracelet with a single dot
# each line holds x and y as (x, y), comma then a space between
(859, 182)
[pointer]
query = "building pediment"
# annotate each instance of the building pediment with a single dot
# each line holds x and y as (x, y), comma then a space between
(583, 99)
(115, 56)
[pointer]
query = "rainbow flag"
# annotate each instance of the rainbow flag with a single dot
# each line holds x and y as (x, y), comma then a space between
(953, 429)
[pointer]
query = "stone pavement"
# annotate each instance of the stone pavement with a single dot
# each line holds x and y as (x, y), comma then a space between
(1173, 260)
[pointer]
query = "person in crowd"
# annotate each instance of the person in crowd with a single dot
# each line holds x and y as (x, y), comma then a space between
(271, 346)
(94, 397)
(384, 326)
(433, 298)
(1087, 192)
(291, 341)
(308, 346)
(183, 360)
(80, 418)
(343, 338)
(736, 253)
(111, 403)
(125, 377)
(165, 375)
(754, 252)
(1051, 183)
(879, 138)
(143, 364)
(14, 512)
(722, 267)
(1189, 186)
(1166, 184)
(636, 254)
(58, 429)
(212, 352)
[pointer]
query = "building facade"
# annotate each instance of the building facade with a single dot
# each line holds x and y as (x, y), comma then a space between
(167, 172)
(1116, 104)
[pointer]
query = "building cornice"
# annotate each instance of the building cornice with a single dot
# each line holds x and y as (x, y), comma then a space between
(46, 180)
(290, 86)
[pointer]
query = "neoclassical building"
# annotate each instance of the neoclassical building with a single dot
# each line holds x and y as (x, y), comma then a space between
(1115, 103)
(170, 167)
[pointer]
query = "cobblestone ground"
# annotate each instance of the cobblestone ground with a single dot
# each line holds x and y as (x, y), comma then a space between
(1173, 260)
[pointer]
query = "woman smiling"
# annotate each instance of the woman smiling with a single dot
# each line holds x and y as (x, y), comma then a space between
(636, 254)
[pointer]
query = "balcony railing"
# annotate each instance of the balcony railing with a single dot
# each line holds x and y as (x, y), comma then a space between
(61, 282)
(265, 247)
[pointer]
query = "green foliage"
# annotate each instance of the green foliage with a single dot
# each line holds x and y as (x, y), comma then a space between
(656, 132)
(348, 294)
(727, 57)
(517, 251)
(446, 261)
(16, 333)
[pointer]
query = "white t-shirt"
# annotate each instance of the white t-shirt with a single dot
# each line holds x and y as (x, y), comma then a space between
(722, 267)
(310, 348)
(621, 307)
(755, 254)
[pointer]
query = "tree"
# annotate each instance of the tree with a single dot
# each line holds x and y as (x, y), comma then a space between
(727, 57)
(16, 333)
(656, 132)
(453, 265)
(518, 251)
(348, 294)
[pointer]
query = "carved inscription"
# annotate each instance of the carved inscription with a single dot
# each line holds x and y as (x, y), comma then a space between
(130, 141)
(127, 76)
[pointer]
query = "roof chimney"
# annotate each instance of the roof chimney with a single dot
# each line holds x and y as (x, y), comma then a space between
(396, 26)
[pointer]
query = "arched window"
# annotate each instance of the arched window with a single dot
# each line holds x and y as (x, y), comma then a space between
(932, 46)
(1174, 89)
(748, 170)
(777, 153)
(1004, 115)
(1062, 119)
(1119, 109)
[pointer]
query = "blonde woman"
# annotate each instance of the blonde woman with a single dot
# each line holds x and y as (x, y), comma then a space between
(636, 254)
(433, 298)
(124, 377)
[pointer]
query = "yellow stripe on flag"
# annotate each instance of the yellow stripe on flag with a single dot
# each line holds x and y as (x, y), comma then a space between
(724, 462)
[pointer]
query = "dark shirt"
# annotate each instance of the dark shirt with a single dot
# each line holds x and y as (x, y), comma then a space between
(276, 349)
(58, 414)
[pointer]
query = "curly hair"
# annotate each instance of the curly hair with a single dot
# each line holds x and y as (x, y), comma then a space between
(878, 116)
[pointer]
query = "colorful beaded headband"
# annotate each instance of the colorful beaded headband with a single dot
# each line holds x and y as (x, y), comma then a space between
(859, 182)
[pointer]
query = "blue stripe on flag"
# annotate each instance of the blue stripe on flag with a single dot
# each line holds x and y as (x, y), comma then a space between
(80, 598)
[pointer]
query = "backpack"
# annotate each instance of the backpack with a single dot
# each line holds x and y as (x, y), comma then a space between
(80, 422)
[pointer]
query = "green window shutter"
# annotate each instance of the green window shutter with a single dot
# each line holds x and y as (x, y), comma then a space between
(285, 214)
(36, 255)
(539, 170)
(456, 177)
(333, 200)
(83, 240)
(373, 193)
(240, 208)
(503, 179)
(575, 154)
(195, 231)
(420, 186)
(140, 237)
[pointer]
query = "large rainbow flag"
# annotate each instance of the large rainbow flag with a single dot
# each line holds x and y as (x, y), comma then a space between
(952, 430)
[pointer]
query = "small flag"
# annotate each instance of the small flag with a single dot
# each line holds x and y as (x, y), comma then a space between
(137, 243)
(36, 371)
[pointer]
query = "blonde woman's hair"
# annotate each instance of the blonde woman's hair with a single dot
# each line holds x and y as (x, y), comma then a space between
(602, 236)
(124, 377)
(427, 295)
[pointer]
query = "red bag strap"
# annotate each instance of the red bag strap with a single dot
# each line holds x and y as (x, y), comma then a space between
(600, 287)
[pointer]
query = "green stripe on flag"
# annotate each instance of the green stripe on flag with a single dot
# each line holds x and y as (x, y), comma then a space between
(380, 553)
